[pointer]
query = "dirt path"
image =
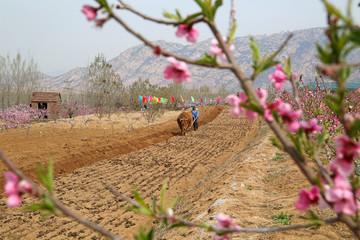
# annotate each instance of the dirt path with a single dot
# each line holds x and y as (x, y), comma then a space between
(81, 148)
(183, 161)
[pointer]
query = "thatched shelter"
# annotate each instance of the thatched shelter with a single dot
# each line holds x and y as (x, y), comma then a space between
(47, 99)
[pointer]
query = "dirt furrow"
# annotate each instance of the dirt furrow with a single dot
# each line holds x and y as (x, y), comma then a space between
(183, 161)
(71, 151)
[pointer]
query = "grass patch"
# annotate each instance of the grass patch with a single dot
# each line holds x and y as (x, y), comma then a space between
(278, 157)
(282, 218)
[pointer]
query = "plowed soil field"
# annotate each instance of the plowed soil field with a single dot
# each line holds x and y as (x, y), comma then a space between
(227, 166)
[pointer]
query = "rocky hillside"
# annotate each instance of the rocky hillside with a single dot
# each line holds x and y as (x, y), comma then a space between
(139, 62)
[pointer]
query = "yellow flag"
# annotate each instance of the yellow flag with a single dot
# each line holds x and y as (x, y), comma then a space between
(182, 98)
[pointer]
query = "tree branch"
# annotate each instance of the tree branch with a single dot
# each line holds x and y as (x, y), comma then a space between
(163, 52)
(129, 8)
(37, 192)
(247, 85)
(160, 21)
(217, 229)
(122, 196)
(295, 91)
(276, 229)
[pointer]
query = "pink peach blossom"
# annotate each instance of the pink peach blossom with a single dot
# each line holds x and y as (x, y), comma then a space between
(13, 189)
(341, 195)
(177, 71)
(24, 187)
(290, 117)
(234, 100)
(224, 221)
(170, 215)
(311, 127)
(89, 12)
(14, 200)
(216, 50)
(346, 151)
(306, 198)
(278, 77)
(191, 32)
(100, 22)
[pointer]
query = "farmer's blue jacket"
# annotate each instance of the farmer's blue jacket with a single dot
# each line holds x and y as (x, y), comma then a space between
(195, 113)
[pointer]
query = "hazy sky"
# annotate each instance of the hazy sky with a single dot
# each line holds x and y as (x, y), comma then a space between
(57, 35)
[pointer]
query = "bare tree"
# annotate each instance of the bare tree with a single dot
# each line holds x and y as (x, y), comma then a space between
(104, 87)
(18, 78)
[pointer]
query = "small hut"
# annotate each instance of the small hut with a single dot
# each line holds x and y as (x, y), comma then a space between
(47, 99)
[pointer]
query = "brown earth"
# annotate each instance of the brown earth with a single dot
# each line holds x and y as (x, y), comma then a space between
(86, 145)
(227, 166)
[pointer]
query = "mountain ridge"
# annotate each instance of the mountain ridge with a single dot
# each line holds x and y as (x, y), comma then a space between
(140, 62)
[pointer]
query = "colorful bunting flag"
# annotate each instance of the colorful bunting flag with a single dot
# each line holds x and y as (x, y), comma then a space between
(192, 99)
(172, 99)
(202, 100)
(218, 100)
(140, 99)
(182, 98)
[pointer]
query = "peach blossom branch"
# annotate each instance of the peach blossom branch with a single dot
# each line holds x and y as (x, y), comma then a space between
(146, 17)
(163, 52)
(247, 85)
(295, 91)
(129, 8)
(217, 229)
(37, 192)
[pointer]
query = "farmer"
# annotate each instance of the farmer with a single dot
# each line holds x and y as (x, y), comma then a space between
(195, 116)
(42, 111)
(41, 106)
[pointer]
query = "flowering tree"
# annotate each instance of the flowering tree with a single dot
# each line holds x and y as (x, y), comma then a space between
(335, 185)
(19, 115)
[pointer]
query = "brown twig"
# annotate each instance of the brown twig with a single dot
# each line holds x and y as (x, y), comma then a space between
(129, 8)
(37, 192)
(232, 16)
(217, 229)
(160, 21)
(337, 66)
(282, 46)
(276, 229)
(321, 168)
(122, 196)
(295, 91)
(163, 52)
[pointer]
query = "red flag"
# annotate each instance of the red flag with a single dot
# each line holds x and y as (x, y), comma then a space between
(144, 100)
(202, 100)
(218, 100)
(172, 99)
(159, 100)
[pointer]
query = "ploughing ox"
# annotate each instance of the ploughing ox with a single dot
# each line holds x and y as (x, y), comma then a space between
(184, 120)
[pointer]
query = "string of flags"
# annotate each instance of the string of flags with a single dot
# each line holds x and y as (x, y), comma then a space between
(153, 99)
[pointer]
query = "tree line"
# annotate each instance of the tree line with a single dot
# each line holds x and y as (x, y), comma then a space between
(102, 87)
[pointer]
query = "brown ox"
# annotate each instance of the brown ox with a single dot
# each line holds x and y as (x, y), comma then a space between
(184, 120)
